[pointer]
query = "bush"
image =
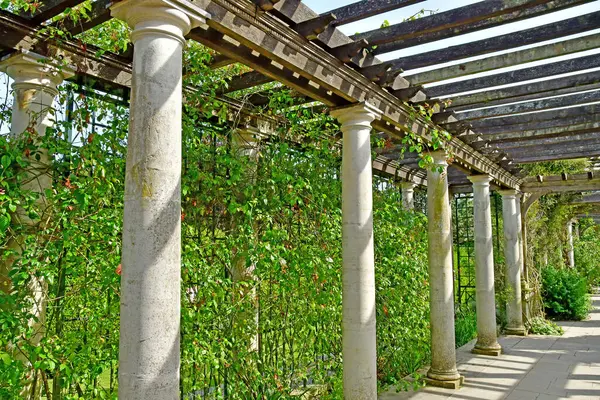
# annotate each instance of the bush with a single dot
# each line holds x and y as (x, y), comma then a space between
(541, 326)
(564, 293)
(465, 327)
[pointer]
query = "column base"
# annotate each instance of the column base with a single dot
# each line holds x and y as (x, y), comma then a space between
(487, 351)
(451, 384)
(515, 331)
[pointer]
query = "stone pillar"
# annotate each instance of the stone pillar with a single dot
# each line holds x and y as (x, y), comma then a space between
(443, 370)
(358, 269)
(34, 89)
(570, 244)
(408, 195)
(246, 144)
(487, 342)
(511, 213)
(150, 285)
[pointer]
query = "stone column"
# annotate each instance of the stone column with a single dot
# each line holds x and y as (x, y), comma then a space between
(511, 214)
(570, 244)
(246, 144)
(34, 89)
(487, 342)
(358, 259)
(150, 285)
(443, 370)
(408, 195)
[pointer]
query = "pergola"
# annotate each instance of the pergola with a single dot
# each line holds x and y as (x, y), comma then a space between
(494, 130)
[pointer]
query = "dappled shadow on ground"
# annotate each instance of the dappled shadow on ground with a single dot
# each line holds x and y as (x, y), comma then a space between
(533, 367)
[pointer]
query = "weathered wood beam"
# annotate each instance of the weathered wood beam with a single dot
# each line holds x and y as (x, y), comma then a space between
(220, 61)
(553, 116)
(568, 138)
(99, 14)
(265, 5)
(391, 168)
(459, 21)
(246, 81)
(520, 75)
(48, 9)
(577, 183)
(538, 130)
(368, 8)
(592, 144)
(531, 91)
(314, 27)
(557, 102)
(507, 60)
(503, 42)
(263, 65)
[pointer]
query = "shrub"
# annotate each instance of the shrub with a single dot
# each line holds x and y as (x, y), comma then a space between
(564, 293)
(465, 326)
(541, 326)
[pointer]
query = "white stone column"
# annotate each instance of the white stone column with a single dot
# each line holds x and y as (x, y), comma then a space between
(358, 259)
(443, 370)
(408, 195)
(34, 89)
(487, 342)
(570, 244)
(150, 284)
(246, 144)
(511, 214)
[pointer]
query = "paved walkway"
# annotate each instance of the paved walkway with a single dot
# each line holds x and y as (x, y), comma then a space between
(531, 368)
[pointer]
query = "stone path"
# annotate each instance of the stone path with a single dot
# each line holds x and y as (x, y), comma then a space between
(531, 368)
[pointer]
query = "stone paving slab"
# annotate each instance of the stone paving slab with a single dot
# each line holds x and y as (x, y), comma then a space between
(531, 368)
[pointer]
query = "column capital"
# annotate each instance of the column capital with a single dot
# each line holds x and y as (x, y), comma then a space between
(509, 193)
(408, 185)
(480, 180)
(359, 114)
(440, 157)
(31, 70)
(173, 18)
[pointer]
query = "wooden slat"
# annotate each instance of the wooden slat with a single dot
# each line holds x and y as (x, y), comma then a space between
(583, 147)
(529, 91)
(541, 128)
(48, 9)
(503, 42)
(99, 14)
(368, 8)
(553, 115)
(539, 105)
(459, 21)
(520, 75)
(568, 137)
(507, 60)
(246, 81)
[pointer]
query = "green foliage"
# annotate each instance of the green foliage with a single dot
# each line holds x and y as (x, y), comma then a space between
(564, 293)
(465, 326)
(541, 326)
(587, 253)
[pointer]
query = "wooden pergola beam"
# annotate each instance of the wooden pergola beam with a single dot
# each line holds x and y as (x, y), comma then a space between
(574, 183)
(246, 81)
(99, 14)
(459, 21)
(535, 131)
(576, 155)
(368, 8)
(503, 42)
(507, 60)
(520, 75)
(512, 122)
(530, 91)
(532, 143)
(48, 9)
(557, 102)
